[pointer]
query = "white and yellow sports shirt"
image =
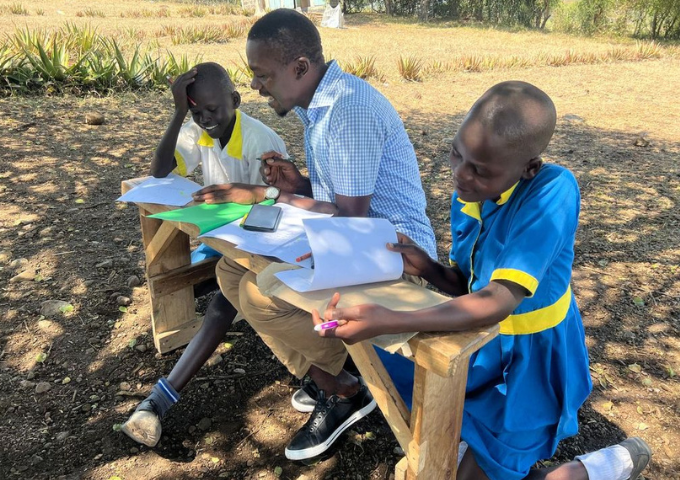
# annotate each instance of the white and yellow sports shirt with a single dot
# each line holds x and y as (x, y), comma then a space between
(237, 161)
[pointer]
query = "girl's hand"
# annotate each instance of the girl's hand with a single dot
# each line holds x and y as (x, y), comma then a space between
(416, 261)
(355, 324)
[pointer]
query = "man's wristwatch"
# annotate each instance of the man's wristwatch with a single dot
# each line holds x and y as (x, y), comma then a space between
(272, 193)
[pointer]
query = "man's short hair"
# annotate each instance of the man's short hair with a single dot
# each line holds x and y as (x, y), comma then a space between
(289, 34)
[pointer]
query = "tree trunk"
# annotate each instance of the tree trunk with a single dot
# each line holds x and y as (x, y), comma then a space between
(424, 10)
(388, 7)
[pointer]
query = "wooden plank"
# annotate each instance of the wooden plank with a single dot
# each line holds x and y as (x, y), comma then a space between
(436, 420)
(160, 242)
(439, 352)
(177, 308)
(182, 277)
(177, 337)
(400, 469)
(383, 390)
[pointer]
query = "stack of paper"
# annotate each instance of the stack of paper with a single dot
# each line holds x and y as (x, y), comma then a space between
(287, 243)
(346, 251)
(172, 190)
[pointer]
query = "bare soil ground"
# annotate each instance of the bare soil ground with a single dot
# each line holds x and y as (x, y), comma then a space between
(66, 239)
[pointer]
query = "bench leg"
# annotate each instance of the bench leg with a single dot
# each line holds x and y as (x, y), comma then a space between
(436, 420)
(173, 316)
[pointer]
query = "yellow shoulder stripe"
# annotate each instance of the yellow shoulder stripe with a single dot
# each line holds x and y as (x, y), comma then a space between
(181, 168)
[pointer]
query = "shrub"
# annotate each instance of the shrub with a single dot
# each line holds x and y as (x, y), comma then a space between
(410, 68)
(78, 59)
(362, 67)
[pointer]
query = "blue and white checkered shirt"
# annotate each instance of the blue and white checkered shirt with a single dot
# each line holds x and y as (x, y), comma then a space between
(356, 145)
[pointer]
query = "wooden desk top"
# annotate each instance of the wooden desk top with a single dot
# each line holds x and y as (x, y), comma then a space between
(437, 352)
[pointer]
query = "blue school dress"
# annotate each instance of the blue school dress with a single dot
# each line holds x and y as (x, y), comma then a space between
(525, 387)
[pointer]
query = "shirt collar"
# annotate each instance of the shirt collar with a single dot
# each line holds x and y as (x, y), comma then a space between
(505, 196)
(234, 146)
(473, 209)
(324, 95)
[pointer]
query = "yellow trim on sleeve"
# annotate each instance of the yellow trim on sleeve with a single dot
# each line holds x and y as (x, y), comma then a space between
(538, 320)
(453, 263)
(235, 144)
(516, 276)
(206, 140)
(181, 168)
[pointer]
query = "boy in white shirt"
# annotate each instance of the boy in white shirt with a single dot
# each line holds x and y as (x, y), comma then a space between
(227, 144)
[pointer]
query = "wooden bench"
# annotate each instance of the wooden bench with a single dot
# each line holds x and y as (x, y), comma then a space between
(429, 434)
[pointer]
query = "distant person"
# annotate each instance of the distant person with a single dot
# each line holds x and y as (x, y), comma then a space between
(228, 145)
(513, 227)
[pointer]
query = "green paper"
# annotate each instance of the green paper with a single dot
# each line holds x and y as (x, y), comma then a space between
(208, 216)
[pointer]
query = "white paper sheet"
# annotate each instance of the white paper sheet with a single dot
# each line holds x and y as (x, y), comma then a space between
(346, 251)
(288, 242)
(172, 190)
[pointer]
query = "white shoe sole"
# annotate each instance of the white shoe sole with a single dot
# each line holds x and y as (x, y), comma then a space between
(301, 407)
(143, 427)
(319, 449)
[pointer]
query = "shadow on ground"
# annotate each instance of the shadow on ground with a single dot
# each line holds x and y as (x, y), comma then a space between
(59, 179)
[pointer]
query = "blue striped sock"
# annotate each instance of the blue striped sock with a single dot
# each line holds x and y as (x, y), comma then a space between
(163, 395)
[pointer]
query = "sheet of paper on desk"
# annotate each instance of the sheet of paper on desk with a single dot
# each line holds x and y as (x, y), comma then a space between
(287, 243)
(208, 216)
(172, 190)
(346, 251)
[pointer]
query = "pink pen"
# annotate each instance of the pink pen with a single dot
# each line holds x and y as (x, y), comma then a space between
(191, 100)
(326, 326)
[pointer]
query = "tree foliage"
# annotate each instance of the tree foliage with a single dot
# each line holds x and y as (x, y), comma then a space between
(642, 18)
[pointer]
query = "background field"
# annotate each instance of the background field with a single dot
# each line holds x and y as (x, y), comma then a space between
(618, 130)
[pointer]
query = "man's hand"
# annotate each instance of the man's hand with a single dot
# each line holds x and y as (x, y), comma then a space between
(280, 173)
(355, 324)
(230, 192)
(179, 90)
(416, 261)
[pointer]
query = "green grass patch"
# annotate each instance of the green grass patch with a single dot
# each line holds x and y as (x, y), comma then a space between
(77, 60)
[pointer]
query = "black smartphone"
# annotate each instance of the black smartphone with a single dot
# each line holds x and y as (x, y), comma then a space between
(263, 218)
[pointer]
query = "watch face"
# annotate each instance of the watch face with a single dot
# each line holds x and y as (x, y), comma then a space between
(271, 193)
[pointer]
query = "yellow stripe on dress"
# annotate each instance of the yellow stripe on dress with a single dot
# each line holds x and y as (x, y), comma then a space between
(538, 320)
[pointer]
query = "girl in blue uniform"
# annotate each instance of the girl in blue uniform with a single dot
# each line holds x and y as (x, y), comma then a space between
(513, 227)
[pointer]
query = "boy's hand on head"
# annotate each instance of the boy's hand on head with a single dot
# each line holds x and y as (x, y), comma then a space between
(416, 261)
(229, 192)
(355, 324)
(280, 173)
(179, 90)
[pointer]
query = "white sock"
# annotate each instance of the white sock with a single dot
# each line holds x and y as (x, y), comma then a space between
(611, 463)
(462, 448)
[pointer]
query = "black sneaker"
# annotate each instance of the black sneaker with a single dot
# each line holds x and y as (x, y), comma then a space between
(304, 400)
(329, 419)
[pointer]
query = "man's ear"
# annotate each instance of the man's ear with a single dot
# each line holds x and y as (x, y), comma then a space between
(236, 98)
(532, 168)
(302, 66)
